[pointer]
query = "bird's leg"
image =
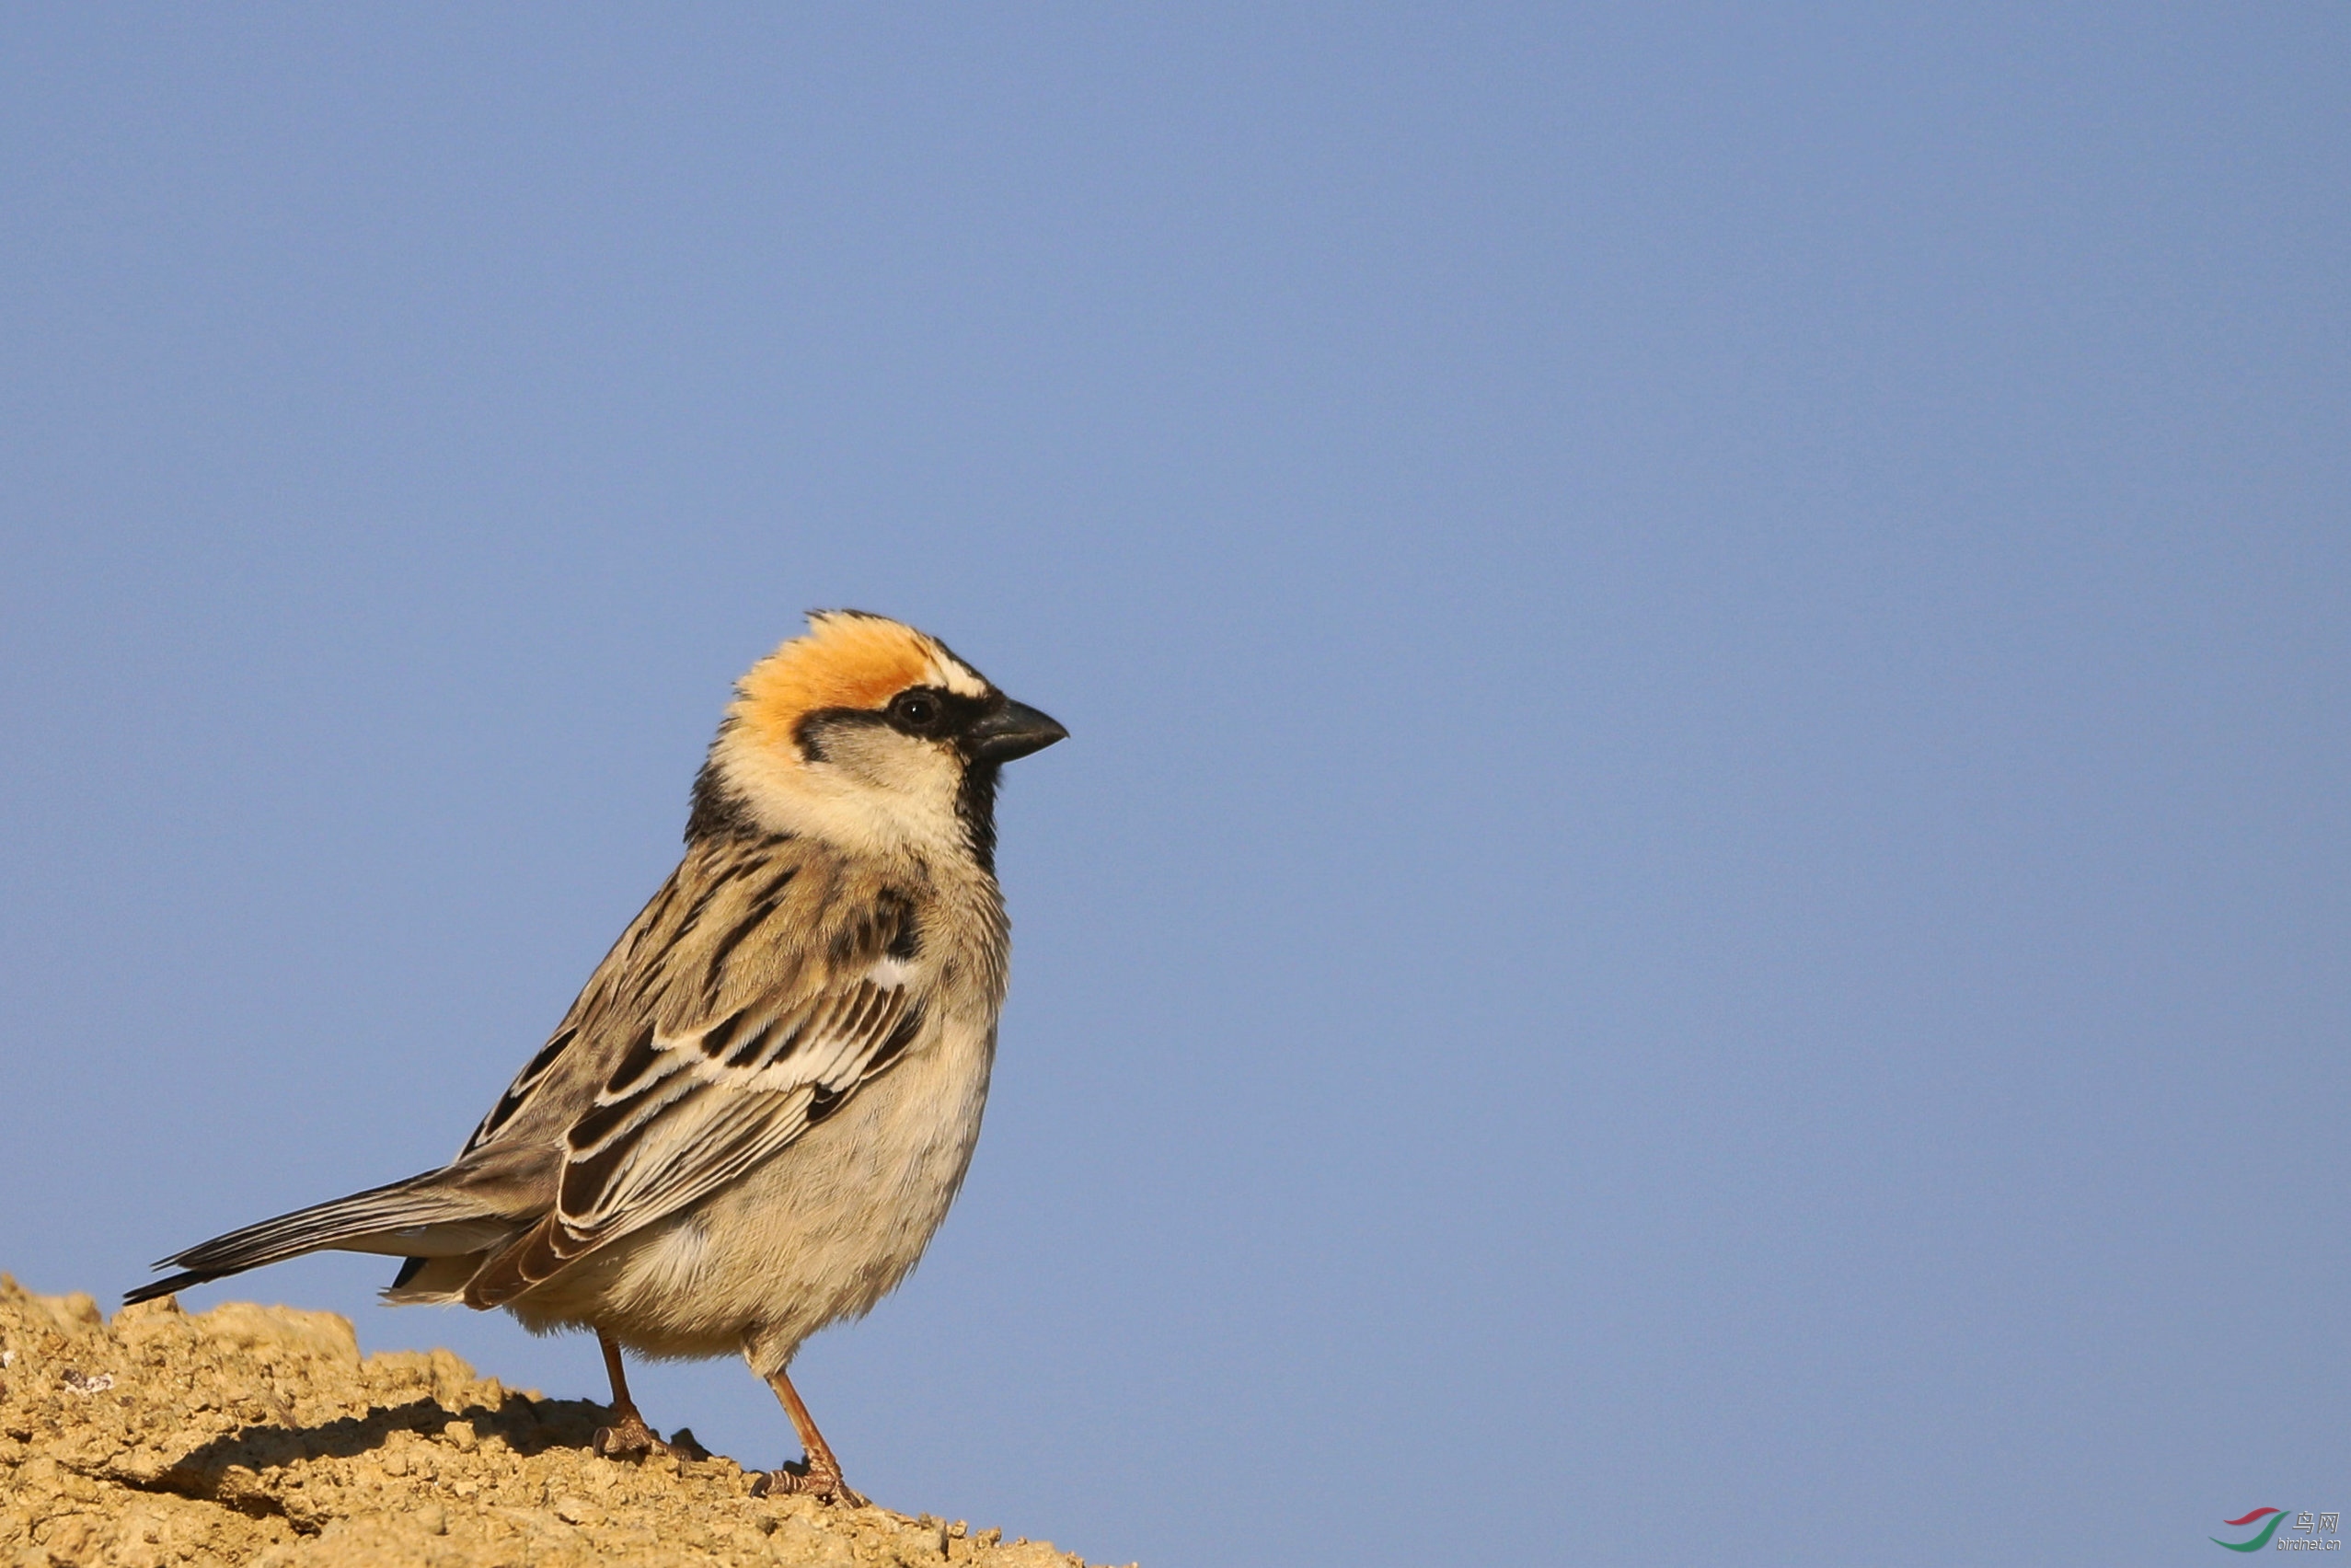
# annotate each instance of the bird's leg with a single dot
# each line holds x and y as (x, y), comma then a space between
(628, 1437)
(820, 1475)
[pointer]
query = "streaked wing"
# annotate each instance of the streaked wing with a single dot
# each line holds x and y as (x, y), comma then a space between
(683, 1116)
(518, 1093)
(691, 1105)
(668, 953)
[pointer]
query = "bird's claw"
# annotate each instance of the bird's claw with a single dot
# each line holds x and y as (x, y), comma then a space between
(804, 1479)
(629, 1438)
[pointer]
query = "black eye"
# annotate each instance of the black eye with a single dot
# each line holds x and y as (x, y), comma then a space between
(914, 710)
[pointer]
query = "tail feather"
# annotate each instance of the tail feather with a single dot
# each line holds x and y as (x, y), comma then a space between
(422, 1216)
(169, 1285)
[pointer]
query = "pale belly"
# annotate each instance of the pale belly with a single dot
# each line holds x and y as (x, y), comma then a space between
(818, 1234)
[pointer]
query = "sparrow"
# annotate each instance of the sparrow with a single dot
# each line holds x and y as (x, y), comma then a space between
(756, 1114)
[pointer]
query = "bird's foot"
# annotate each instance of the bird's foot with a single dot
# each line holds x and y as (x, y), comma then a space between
(822, 1481)
(630, 1438)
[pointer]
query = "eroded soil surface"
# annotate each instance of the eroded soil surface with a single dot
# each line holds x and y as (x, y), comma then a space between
(258, 1435)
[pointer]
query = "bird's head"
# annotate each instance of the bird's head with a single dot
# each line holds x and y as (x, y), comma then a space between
(867, 733)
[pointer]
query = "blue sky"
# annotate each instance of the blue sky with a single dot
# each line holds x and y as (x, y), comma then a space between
(1697, 907)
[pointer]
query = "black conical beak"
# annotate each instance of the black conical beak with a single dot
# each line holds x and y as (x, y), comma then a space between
(1012, 730)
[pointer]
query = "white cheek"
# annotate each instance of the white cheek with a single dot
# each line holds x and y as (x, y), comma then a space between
(874, 791)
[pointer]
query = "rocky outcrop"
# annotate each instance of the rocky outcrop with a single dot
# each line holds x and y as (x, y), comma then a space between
(259, 1434)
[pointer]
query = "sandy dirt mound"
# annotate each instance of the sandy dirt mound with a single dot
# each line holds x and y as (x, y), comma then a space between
(258, 1435)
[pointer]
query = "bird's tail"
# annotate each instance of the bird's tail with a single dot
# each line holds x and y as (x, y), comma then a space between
(422, 1217)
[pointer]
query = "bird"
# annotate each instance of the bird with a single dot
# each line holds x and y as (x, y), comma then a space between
(756, 1114)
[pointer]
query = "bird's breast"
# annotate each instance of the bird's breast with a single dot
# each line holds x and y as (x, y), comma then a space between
(823, 1230)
